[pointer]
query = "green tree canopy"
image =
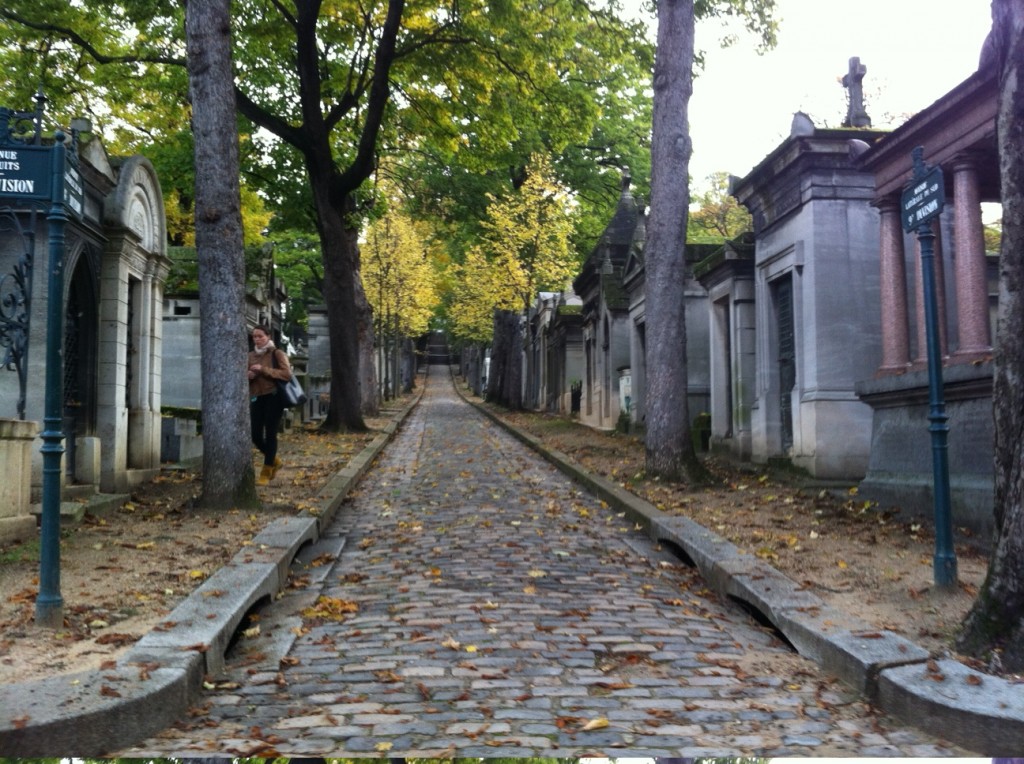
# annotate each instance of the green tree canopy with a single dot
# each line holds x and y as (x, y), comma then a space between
(715, 216)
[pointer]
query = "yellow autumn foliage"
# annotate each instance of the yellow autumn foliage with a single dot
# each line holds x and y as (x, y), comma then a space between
(398, 274)
(525, 249)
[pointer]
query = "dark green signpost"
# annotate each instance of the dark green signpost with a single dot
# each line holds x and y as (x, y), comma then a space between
(50, 603)
(922, 201)
(32, 175)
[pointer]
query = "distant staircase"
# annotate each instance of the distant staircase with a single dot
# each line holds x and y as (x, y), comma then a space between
(438, 353)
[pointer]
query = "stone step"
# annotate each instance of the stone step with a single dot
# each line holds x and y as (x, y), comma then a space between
(77, 491)
(72, 512)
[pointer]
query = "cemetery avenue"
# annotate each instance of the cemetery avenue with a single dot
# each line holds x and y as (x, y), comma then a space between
(470, 600)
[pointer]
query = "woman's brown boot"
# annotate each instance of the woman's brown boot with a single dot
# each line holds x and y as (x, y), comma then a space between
(266, 475)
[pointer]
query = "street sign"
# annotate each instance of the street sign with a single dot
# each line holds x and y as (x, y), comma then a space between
(922, 200)
(25, 172)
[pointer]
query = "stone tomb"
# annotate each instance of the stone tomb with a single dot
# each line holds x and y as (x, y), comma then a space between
(957, 133)
(114, 272)
(815, 290)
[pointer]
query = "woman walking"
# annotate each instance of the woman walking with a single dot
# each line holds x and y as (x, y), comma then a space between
(267, 365)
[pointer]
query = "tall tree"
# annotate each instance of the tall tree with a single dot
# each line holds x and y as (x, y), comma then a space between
(994, 623)
(227, 456)
(400, 281)
(525, 247)
(669, 450)
(668, 446)
(318, 78)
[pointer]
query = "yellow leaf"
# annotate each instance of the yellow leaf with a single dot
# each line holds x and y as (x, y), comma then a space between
(383, 747)
(842, 564)
(331, 609)
(196, 574)
(595, 724)
(537, 573)
(471, 648)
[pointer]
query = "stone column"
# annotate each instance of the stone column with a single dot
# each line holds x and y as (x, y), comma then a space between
(145, 337)
(971, 281)
(893, 270)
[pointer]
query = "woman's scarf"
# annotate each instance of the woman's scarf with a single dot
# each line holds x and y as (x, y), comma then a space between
(263, 351)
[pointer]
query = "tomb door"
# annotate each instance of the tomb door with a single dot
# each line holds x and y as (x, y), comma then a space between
(590, 376)
(80, 349)
(786, 357)
(723, 314)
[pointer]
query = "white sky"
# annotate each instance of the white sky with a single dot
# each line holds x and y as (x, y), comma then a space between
(822, 760)
(743, 104)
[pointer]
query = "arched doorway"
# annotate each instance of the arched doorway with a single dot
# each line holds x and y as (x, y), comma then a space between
(81, 322)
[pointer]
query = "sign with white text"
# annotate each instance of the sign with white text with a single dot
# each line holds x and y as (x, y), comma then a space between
(923, 199)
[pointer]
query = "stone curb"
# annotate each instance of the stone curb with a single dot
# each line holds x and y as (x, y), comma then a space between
(161, 675)
(944, 698)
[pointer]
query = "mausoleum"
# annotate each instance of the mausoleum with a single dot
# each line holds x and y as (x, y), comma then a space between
(114, 268)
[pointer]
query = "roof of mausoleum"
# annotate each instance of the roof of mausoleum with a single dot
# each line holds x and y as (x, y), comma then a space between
(805, 166)
(962, 122)
(734, 254)
(612, 250)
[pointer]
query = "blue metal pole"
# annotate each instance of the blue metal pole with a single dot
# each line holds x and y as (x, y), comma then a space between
(49, 603)
(944, 561)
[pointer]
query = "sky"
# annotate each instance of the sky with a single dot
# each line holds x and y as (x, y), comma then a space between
(822, 760)
(743, 103)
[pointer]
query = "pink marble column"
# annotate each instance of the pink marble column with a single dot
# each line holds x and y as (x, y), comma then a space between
(893, 271)
(921, 357)
(971, 277)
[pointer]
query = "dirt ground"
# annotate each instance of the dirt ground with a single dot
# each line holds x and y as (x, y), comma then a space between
(122, 573)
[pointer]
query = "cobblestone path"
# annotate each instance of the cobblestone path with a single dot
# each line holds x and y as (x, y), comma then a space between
(498, 610)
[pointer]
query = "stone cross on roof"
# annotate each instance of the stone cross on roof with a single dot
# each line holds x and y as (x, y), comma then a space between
(856, 116)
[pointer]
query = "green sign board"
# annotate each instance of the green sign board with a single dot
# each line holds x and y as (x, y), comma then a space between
(25, 172)
(923, 199)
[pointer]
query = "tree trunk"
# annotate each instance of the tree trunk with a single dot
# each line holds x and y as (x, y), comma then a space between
(408, 366)
(369, 405)
(514, 362)
(505, 377)
(669, 449)
(471, 364)
(339, 253)
(228, 480)
(994, 621)
(496, 368)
